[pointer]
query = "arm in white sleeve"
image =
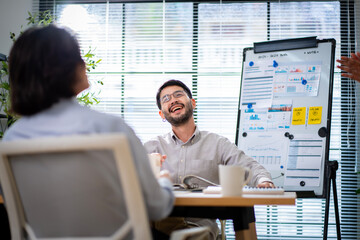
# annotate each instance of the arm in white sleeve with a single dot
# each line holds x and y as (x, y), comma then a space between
(159, 198)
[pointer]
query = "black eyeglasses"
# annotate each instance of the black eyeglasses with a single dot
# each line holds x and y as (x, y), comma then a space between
(177, 94)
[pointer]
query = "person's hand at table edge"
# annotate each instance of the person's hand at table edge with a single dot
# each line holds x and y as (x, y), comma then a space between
(266, 184)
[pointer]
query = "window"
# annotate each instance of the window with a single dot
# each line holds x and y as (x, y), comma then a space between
(142, 44)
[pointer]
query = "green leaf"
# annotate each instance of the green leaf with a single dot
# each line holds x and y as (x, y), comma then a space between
(89, 55)
(5, 85)
(31, 18)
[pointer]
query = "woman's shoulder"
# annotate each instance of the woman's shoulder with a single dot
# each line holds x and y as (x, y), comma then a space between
(94, 114)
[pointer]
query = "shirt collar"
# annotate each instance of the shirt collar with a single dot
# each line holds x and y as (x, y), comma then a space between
(193, 139)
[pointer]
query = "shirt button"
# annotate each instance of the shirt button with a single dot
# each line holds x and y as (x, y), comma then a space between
(182, 146)
(192, 141)
(180, 177)
(181, 160)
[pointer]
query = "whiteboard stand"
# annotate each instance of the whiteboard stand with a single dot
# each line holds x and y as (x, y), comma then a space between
(331, 177)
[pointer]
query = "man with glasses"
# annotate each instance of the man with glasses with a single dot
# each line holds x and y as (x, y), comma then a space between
(189, 151)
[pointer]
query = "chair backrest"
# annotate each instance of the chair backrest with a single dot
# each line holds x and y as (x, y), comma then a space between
(72, 187)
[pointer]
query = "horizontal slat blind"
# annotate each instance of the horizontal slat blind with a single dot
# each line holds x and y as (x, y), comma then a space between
(224, 30)
(144, 43)
(348, 146)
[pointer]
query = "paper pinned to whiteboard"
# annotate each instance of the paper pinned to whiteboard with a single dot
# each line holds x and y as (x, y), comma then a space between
(269, 149)
(257, 85)
(304, 161)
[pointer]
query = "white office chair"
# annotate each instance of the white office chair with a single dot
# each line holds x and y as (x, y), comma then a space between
(74, 187)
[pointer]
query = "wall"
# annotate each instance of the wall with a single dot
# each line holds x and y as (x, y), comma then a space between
(13, 14)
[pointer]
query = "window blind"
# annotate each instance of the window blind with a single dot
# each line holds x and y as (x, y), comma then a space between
(144, 43)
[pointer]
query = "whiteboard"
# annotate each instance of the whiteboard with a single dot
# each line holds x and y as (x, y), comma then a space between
(285, 111)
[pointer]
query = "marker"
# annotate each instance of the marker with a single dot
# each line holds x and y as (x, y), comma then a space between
(251, 63)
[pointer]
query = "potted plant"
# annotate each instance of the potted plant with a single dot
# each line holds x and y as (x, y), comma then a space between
(6, 117)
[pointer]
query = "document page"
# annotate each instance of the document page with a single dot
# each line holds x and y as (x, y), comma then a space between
(257, 86)
(303, 166)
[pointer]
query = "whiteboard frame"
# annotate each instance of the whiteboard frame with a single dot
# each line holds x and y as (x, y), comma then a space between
(296, 46)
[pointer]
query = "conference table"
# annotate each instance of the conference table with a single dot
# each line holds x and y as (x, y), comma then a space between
(201, 205)
(199, 199)
(188, 198)
(198, 204)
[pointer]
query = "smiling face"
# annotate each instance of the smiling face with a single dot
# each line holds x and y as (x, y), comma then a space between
(179, 109)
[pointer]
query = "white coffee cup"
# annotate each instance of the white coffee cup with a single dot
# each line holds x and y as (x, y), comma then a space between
(233, 179)
(155, 162)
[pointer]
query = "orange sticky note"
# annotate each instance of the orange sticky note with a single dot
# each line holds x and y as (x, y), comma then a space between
(298, 116)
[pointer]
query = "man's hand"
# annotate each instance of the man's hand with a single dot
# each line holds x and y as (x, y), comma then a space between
(158, 156)
(164, 174)
(266, 185)
(163, 158)
(350, 65)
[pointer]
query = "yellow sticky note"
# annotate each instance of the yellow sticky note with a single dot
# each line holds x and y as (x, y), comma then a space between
(298, 116)
(315, 115)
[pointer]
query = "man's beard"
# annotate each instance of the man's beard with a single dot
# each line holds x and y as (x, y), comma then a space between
(182, 119)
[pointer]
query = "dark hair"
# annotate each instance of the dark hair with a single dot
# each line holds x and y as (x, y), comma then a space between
(43, 63)
(168, 83)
